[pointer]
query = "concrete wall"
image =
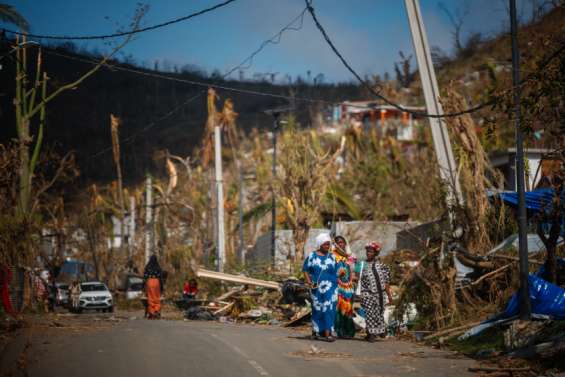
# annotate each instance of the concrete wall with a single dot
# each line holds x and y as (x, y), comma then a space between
(358, 233)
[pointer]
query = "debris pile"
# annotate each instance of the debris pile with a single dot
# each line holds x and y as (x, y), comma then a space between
(251, 301)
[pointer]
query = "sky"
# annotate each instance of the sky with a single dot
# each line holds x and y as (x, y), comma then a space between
(369, 33)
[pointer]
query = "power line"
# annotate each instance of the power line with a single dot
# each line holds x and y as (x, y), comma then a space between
(124, 33)
(371, 89)
(275, 39)
(201, 83)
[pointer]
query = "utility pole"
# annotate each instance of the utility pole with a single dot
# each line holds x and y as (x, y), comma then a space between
(241, 245)
(273, 199)
(525, 305)
(275, 113)
(220, 243)
(442, 144)
(131, 243)
(148, 217)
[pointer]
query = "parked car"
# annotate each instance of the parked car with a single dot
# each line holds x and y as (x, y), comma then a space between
(96, 296)
(135, 289)
(58, 295)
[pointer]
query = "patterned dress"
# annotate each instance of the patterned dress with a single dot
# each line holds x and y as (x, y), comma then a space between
(323, 272)
(344, 325)
(373, 295)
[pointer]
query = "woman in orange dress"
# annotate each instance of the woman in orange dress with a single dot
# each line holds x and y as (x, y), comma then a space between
(153, 284)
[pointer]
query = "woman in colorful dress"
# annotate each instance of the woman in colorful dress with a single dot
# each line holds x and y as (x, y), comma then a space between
(320, 272)
(375, 279)
(344, 326)
(153, 284)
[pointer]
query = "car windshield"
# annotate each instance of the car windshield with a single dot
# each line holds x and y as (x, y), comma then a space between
(136, 287)
(92, 287)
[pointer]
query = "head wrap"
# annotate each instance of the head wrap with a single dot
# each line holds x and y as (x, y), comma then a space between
(347, 250)
(374, 245)
(322, 239)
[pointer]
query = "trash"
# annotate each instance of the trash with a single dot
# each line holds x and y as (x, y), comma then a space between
(523, 333)
(199, 314)
(253, 313)
(274, 322)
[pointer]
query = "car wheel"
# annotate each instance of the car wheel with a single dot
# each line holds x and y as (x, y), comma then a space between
(111, 309)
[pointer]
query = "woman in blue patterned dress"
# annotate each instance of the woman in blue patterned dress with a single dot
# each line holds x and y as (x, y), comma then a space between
(320, 272)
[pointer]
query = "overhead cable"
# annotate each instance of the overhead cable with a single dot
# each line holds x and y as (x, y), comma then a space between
(372, 90)
(123, 33)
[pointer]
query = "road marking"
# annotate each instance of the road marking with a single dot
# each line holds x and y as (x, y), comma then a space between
(258, 368)
(253, 363)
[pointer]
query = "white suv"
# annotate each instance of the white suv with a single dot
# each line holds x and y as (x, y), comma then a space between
(95, 295)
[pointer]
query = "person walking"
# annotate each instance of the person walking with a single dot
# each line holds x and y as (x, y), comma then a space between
(74, 293)
(320, 273)
(153, 285)
(375, 279)
(344, 326)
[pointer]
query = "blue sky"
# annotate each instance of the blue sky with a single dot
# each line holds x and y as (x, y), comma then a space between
(368, 32)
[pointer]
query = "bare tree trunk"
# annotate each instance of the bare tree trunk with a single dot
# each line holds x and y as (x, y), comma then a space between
(300, 237)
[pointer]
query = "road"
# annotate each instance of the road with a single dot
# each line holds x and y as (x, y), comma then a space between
(104, 345)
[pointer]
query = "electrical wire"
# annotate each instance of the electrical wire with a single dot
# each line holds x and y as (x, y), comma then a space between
(372, 90)
(123, 33)
(245, 64)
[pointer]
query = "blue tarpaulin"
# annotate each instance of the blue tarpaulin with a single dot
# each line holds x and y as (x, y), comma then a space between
(547, 299)
(536, 201)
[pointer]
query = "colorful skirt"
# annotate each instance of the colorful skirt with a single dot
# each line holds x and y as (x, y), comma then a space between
(153, 291)
(344, 326)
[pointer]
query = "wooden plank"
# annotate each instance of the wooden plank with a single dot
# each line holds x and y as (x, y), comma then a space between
(202, 273)
(299, 319)
(224, 309)
(230, 293)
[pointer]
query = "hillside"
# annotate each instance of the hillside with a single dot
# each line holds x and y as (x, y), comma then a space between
(151, 110)
(154, 117)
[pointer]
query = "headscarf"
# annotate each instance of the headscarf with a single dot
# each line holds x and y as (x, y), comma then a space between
(374, 245)
(322, 239)
(152, 268)
(347, 250)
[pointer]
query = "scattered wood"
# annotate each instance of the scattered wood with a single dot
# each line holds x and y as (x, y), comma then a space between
(202, 273)
(532, 261)
(229, 294)
(495, 369)
(301, 317)
(224, 309)
(452, 330)
(492, 273)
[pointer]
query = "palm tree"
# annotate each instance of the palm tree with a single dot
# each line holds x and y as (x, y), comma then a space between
(9, 15)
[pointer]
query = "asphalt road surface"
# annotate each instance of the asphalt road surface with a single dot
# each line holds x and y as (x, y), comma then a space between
(105, 345)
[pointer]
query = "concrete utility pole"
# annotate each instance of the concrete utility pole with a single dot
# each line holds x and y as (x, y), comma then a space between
(442, 144)
(241, 245)
(273, 199)
(148, 217)
(131, 243)
(221, 242)
(525, 305)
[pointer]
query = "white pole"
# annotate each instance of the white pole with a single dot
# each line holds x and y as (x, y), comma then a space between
(131, 226)
(442, 144)
(148, 217)
(220, 244)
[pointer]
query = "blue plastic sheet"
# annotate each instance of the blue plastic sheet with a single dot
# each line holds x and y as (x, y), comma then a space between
(535, 200)
(547, 299)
